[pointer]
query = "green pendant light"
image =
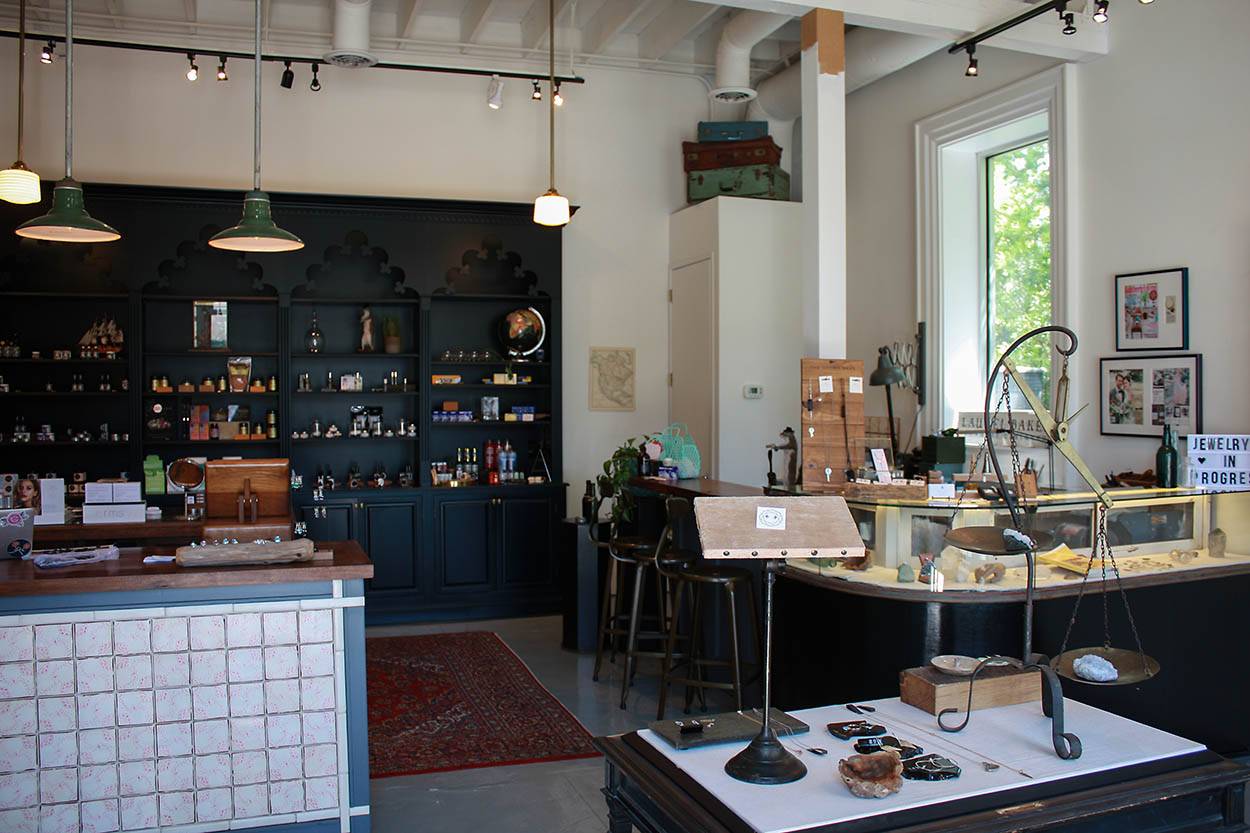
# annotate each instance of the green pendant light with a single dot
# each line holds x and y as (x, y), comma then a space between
(552, 208)
(256, 232)
(68, 221)
(18, 183)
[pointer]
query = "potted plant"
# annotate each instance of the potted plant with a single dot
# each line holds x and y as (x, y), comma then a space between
(392, 341)
(614, 482)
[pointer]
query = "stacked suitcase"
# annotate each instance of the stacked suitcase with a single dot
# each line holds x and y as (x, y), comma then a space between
(734, 158)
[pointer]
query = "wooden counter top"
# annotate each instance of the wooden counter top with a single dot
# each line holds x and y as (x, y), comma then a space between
(166, 529)
(23, 578)
(696, 487)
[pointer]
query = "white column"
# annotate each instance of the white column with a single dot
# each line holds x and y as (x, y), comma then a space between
(824, 185)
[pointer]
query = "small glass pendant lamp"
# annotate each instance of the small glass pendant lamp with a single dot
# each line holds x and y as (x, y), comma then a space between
(18, 183)
(552, 209)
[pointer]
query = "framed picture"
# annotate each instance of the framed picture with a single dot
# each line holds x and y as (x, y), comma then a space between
(612, 378)
(1139, 394)
(209, 325)
(1152, 310)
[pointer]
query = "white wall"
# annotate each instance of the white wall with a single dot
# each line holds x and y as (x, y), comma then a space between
(1160, 176)
(408, 134)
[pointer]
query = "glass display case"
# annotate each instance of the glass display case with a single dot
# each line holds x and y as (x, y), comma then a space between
(1151, 531)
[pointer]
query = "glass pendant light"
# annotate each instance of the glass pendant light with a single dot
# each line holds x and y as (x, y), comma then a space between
(68, 221)
(256, 232)
(552, 209)
(18, 183)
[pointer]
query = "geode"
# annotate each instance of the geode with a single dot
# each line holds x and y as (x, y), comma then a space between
(1094, 667)
(872, 776)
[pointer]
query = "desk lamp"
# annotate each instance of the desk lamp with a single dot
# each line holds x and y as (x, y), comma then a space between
(887, 374)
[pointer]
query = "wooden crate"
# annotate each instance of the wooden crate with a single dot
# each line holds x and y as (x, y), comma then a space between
(269, 480)
(931, 690)
(732, 131)
(834, 422)
(761, 181)
(702, 156)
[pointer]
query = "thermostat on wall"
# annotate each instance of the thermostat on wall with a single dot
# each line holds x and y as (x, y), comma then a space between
(752, 391)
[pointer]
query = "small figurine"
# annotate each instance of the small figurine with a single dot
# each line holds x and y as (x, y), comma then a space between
(366, 330)
(926, 566)
(787, 454)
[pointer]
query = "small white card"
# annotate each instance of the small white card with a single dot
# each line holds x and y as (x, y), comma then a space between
(855, 384)
(770, 517)
(881, 464)
(826, 384)
(941, 490)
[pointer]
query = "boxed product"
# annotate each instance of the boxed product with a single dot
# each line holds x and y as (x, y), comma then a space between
(114, 513)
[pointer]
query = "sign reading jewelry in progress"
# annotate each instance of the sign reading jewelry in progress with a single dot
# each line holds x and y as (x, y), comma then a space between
(1220, 462)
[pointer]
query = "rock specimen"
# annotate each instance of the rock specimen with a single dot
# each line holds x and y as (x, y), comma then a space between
(1094, 667)
(989, 573)
(906, 573)
(872, 776)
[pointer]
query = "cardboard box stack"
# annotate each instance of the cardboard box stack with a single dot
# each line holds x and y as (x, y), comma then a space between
(114, 503)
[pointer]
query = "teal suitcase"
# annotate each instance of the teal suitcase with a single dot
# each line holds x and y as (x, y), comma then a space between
(732, 131)
(767, 182)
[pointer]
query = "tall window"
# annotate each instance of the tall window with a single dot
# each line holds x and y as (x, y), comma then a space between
(1017, 259)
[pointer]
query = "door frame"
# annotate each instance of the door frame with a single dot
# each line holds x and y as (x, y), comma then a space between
(711, 455)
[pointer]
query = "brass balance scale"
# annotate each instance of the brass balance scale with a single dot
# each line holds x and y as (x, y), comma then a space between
(1132, 666)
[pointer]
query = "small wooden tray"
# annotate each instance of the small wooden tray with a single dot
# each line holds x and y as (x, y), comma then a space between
(729, 727)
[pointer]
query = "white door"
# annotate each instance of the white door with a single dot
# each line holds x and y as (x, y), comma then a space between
(692, 356)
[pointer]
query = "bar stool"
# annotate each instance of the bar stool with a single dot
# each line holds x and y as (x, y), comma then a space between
(700, 575)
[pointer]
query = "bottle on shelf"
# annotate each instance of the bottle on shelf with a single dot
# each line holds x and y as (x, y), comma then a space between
(588, 501)
(473, 470)
(1166, 459)
(492, 448)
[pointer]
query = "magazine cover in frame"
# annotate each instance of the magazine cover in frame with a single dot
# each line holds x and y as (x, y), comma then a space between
(1139, 395)
(1152, 310)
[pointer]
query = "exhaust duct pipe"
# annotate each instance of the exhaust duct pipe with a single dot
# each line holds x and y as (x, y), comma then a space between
(351, 35)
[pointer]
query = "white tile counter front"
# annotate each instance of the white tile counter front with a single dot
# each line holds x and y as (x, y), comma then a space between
(185, 718)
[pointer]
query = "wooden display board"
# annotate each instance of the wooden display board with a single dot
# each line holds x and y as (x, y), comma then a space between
(771, 526)
(833, 427)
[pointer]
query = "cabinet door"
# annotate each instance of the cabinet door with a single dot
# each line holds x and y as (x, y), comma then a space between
(526, 542)
(463, 544)
(393, 536)
(329, 521)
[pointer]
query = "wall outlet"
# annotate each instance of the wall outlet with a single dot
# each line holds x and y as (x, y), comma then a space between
(752, 391)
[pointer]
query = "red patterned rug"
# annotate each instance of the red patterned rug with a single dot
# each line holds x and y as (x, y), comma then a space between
(446, 701)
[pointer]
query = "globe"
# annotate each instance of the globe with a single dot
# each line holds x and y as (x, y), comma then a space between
(522, 331)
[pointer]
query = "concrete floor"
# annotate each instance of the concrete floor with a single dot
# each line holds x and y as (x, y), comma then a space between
(556, 797)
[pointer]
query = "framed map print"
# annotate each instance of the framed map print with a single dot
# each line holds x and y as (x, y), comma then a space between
(612, 371)
(1152, 310)
(1139, 394)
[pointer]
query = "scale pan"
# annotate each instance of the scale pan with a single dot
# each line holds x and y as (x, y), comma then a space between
(989, 540)
(1126, 661)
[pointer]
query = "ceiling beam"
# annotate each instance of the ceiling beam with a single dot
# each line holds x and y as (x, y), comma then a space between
(953, 20)
(473, 19)
(672, 26)
(611, 19)
(535, 28)
(406, 16)
(115, 11)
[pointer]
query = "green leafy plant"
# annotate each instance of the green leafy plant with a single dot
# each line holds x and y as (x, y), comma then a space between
(614, 482)
(390, 325)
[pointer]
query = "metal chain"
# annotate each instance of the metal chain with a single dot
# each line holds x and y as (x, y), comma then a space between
(1124, 598)
(1099, 542)
(1011, 436)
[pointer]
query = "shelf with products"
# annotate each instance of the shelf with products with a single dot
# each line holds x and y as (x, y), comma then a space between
(77, 394)
(119, 361)
(348, 440)
(270, 394)
(496, 423)
(68, 443)
(203, 443)
(357, 355)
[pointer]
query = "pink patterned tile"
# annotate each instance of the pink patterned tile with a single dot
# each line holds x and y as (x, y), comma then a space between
(17, 754)
(20, 821)
(173, 704)
(247, 733)
(17, 644)
(58, 818)
(177, 808)
(286, 797)
(100, 816)
(93, 639)
(282, 696)
(139, 812)
(134, 708)
(17, 717)
(137, 777)
(21, 789)
(97, 746)
(97, 782)
(321, 793)
(134, 743)
(174, 774)
(97, 711)
(247, 699)
(284, 729)
(169, 635)
(208, 633)
(319, 727)
(56, 677)
(173, 739)
(57, 786)
(321, 760)
(211, 736)
(133, 672)
(208, 701)
(17, 679)
(251, 801)
(213, 805)
(243, 630)
(281, 628)
(281, 662)
(95, 674)
(60, 749)
(286, 763)
(57, 714)
(54, 641)
(208, 667)
(316, 660)
(316, 693)
(212, 771)
(246, 665)
(316, 626)
(249, 767)
(132, 637)
(171, 670)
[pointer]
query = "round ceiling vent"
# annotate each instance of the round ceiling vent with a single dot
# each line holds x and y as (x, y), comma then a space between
(349, 58)
(733, 95)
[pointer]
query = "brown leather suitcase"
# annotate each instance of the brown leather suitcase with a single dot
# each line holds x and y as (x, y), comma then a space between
(704, 156)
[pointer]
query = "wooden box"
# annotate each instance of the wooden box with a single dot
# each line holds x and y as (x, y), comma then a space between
(732, 131)
(833, 424)
(702, 156)
(931, 690)
(225, 481)
(761, 181)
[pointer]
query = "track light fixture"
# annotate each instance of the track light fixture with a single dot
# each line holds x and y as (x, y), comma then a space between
(494, 93)
(1100, 11)
(1145, 2)
(221, 70)
(1060, 7)
(537, 95)
(193, 72)
(559, 98)
(45, 54)
(1069, 28)
(315, 86)
(288, 76)
(972, 71)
